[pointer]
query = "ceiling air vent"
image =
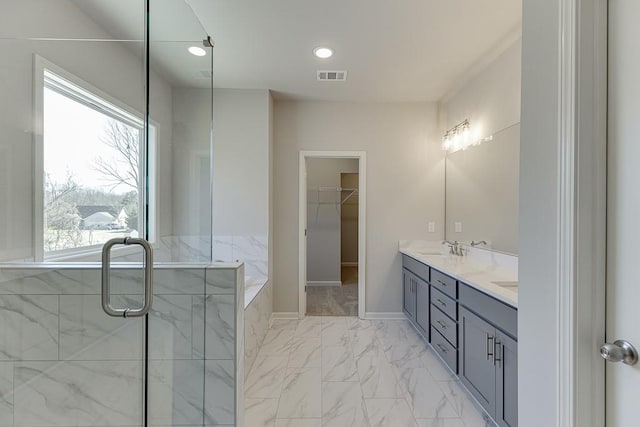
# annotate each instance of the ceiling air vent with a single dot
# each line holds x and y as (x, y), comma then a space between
(332, 76)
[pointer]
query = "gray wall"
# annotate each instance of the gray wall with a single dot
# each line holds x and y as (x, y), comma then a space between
(490, 98)
(241, 162)
(538, 251)
(404, 185)
(324, 218)
(349, 221)
(191, 161)
(241, 181)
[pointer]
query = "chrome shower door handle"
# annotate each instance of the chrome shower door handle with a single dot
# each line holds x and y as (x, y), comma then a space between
(106, 278)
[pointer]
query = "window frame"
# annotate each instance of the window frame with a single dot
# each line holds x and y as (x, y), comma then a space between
(78, 90)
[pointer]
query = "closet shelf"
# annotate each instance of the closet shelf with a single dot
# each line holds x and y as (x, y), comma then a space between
(351, 192)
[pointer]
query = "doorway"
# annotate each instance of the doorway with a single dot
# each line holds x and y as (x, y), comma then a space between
(332, 223)
(332, 237)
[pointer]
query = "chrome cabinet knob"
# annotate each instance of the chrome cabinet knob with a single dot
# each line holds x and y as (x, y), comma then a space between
(619, 351)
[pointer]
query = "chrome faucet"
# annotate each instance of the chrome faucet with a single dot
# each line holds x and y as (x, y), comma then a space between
(455, 248)
(451, 246)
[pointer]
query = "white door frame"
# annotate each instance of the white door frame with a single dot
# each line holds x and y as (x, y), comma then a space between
(563, 244)
(302, 223)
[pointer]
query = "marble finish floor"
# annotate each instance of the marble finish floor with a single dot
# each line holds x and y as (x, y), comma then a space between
(335, 300)
(342, 372)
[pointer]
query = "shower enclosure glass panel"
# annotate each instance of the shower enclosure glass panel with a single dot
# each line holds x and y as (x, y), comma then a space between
(100, 138)
(180, 102)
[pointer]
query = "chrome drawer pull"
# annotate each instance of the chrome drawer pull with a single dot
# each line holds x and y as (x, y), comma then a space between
(498, 357)
(441, 282)
(442, 348)
(444, 304)
(442, 325)
(488, 347)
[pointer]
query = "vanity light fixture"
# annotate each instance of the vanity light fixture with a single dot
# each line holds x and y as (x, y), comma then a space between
(323, 52)
(197, 51)
(459, 138)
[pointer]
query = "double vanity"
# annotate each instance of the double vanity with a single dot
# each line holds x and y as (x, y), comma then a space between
(466, 308)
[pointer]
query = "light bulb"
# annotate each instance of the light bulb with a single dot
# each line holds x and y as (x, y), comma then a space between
(197, 51)
(323, 52)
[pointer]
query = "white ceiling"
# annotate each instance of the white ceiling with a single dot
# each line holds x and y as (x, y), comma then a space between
(394, 50)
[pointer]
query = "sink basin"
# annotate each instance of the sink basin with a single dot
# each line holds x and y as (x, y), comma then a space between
(430, 253)
(506, 283)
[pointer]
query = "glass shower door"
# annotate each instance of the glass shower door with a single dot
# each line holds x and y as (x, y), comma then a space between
(181, 342)
(72, 126)
(91, 150)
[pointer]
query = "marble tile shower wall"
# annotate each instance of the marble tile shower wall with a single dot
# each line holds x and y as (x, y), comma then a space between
(252, 250)
(257, 315)
(63, 362)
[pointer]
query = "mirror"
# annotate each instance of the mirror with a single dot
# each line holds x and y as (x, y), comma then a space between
(482, 192)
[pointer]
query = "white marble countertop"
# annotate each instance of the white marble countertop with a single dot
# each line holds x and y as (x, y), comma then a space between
(480, 269)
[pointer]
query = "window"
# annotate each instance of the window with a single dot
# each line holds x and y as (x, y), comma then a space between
(93, 166)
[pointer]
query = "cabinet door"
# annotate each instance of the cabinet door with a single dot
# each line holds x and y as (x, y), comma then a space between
(409, 298)
(422, 306)
(476, 364)
(506, 381)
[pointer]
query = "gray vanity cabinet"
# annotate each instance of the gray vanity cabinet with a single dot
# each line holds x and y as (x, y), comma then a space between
(409, 296)
(489, 367)
(416, 301)
(415, 294)
(473, 333)
(506, 381)
(476, 365)
(422, 307)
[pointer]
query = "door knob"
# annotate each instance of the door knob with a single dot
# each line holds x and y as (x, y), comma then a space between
(619, 351)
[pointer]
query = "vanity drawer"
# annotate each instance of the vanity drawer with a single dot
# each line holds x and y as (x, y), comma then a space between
(444, 350)
(416, 267)
(496, 312)
(444, 303)
(443, 324)
(446, 284)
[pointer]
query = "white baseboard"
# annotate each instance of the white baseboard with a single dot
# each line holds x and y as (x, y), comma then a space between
(324, 283)
(384, 316)
(349, 264)
(282, 315)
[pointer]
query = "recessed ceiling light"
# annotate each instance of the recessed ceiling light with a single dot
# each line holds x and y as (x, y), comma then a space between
(197, 51)
(323, 52)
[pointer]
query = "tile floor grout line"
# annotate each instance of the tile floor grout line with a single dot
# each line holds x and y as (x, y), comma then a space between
(395, 371)
(283, 381)
(321, 371)
(364, 399)
(405, 393)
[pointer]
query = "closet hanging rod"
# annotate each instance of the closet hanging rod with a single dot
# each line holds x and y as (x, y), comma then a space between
(333, 189)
